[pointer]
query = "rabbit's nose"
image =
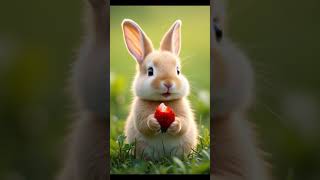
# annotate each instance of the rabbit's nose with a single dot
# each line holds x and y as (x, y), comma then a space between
(168, 85)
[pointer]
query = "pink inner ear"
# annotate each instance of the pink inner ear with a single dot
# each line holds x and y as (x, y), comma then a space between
(133, 39)
(176, 40)
(134, 50)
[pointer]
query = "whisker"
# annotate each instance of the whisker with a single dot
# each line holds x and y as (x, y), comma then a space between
(269, 109)
(265, 74)
(253, 46)
(260, 64)
(267, 82)
(184, 60)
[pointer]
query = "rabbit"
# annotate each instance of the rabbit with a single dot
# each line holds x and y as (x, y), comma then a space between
(86, 146)
(235, 154)
(158, 79)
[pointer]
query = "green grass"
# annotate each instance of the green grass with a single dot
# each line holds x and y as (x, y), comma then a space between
(124, 160)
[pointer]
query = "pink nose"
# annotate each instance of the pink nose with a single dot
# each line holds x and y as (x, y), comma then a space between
(168, 85)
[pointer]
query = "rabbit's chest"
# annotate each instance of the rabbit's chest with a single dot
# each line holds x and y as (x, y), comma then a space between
(163, 144)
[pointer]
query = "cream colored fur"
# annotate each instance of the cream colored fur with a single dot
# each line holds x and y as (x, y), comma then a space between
(141, 126)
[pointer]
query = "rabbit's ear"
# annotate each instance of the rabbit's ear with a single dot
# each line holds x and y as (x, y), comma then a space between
(137, 42)
(171, 41)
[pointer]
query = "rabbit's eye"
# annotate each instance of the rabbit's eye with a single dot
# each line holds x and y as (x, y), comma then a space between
(218, 32)
(217, 29)
(178, 70)
(150, 71)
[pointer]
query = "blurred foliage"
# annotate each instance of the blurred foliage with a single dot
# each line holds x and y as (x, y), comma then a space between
(195, 55)
(37, 43)
(281, 39)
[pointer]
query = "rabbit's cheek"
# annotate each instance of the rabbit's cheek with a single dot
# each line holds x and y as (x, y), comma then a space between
(142, 87)
(219, 71)
(156, 83)
(177, 82)
(233, 78)
(183, 88)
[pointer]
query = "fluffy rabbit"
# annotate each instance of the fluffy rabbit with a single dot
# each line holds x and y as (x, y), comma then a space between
(158, 79)
(86, 152)
(235, 154)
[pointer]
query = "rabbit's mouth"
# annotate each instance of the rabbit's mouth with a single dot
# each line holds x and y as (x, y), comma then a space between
(167, 94)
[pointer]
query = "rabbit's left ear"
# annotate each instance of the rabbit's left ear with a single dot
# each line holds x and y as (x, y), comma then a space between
(171, 41)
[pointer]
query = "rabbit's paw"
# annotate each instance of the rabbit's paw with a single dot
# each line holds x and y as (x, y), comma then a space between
(153, 124)
(175, 127)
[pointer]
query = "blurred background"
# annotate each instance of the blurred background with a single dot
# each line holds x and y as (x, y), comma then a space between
(281, 39)
(195, 58)
(37, 44)
(38, 40)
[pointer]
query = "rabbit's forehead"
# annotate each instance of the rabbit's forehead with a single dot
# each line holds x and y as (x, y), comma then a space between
(219, 9)
(162, 59)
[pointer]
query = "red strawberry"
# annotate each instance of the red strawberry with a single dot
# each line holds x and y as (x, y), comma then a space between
(165, 116)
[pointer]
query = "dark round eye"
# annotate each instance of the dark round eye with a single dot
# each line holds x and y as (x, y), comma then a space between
(218, 32)
(217, 29)
(178, 71)
(150, 71)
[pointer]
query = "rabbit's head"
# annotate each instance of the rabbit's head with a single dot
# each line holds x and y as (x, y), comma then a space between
(218, 20)
(159, 76)
(233, 79)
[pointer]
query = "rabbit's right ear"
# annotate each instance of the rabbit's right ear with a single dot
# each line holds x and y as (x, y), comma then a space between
(137, 42)
(171, 41)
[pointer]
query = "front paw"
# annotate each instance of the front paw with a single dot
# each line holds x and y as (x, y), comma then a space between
(175, 127)
(153, 124)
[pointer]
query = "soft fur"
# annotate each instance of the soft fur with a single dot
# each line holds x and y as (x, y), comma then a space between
(86, 147)
(141, 127)
(235, 155)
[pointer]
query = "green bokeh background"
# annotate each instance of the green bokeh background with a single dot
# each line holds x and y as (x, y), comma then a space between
(38, 42)
(281, 40)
